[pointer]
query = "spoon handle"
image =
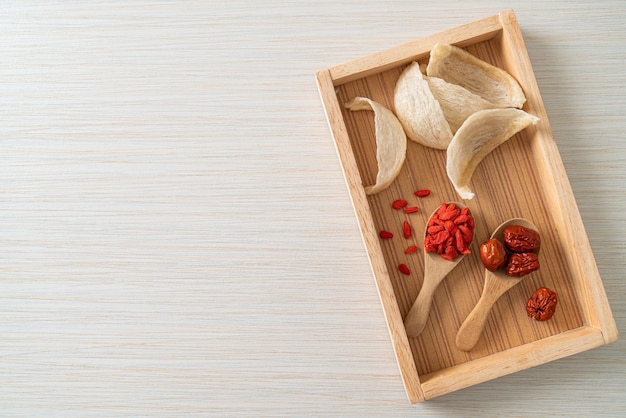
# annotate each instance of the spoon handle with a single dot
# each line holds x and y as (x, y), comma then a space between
(469, 333)
(415, 321)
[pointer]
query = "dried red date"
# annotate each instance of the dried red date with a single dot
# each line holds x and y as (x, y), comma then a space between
(542, 304)
(520, 239)
(492, 254)
(521, 264)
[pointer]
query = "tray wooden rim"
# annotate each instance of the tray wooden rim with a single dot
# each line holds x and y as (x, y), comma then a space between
(599, 326)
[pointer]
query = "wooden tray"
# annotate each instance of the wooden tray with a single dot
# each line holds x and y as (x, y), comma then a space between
(524, 177)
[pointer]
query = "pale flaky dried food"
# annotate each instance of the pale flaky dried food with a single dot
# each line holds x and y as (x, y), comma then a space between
(390, 142)
(456, 101)
(480, 134)
(419, 111)
(458, 66)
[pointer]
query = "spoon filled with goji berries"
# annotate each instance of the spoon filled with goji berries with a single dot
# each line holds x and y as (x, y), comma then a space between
(510, 254)
(448, 235)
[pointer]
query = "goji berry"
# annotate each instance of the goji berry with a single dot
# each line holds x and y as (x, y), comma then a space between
(458, 241)
(434, 229)
(450, 253)
(449, 226)
(468, 235)
(406, 230)
(399, 204)
(429, 245)
(422, 193)
(404, 269)
(386, 234)
(442, 208)
(434, 220)
(411, 209)
(440, 237)
(450, 213)
(410, 249)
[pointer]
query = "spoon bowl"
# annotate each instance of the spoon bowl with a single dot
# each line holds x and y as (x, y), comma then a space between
(496, 284)
(436, 269)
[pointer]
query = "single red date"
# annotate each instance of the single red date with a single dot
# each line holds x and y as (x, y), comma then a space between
(542, 304)
(492, 254)
(521, 264)
(520, 239)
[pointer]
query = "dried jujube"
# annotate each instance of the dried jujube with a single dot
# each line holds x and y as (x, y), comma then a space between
(521, 264)
(520, 239)
(542, 304)
(492, 254)
(516, 253)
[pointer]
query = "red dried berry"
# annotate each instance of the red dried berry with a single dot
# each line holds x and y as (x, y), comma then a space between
(411, 249)
(406, 230)
(468, 235)
(411, 209)
(404, 269)
(386, 234)
(422, 193)
(399, 204)
(434, 229)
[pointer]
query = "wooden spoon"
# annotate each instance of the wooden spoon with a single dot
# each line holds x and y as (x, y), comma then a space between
(436, 269)
(496, 284)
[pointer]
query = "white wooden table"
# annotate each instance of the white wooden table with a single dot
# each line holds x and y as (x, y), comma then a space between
(176, 237)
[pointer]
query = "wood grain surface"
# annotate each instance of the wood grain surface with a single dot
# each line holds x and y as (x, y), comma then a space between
(176, 236)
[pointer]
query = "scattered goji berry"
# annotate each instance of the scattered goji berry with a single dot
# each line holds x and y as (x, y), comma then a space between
(422, 193)
(399, 204)
(386, 234)
(410, 249)
(406, 230)
(404, 269)
(411, 209)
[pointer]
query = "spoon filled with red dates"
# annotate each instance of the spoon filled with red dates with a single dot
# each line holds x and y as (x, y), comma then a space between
(510, 254)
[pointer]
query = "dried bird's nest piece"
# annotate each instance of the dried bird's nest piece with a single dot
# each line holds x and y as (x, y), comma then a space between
(390, 142)
(458, 66)
(480, 134)
(456, 101)
(419, 111)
